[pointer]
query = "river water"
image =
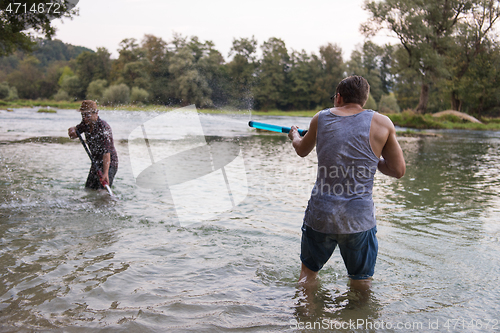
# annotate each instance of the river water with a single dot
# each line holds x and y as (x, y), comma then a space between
(73, 260)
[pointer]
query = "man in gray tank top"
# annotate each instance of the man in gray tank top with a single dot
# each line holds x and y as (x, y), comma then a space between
(351, 144)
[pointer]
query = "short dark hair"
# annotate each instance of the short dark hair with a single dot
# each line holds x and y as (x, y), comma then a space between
(354, 89)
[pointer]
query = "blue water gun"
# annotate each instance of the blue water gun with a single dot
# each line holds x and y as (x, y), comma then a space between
(273, 128)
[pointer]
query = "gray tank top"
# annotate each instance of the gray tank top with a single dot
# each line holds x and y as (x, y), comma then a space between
(341, 201)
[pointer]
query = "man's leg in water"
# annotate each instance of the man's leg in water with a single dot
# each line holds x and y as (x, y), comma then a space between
(308, 278)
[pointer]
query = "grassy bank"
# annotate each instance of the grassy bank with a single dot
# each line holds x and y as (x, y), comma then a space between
(427, 121)
(26, 103)
(404, 119)
(411, 120)
(285, 113)
(416, 134)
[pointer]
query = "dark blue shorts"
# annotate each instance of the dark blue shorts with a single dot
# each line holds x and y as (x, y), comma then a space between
(358, 250)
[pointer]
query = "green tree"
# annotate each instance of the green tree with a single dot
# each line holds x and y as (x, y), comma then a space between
(303, 73)
(407, 81)
(209, 64)
(374, 63)
(138, 95)
(272, 90)
(116, 95)
(178, 41)
(39, 74)
(92, 66)
(16, 18)
(129, 51)
(49, 51)
(366, 62)
(425, 30)
(135, 74)
(49, 81)
(73, 86)
(96, 89)
(212, 67)
(4, 90)
(131, 67)
(62, 95)
(12, 94)
(386, 68)
(188, 85)
(388, 104)
(8, 64)
(332, 72)
(241, 71)
(66, 71)
(371, 103)
(479, 86)
(26, 78)
(474, 38)
(157, 57)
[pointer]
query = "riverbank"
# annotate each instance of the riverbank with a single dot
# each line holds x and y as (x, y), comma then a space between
(26, 103)
(447, 121)
(412, 120)
(404, 119)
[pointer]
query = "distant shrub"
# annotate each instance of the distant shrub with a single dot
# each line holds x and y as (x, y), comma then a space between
(61, 95)
(4, 90)
(12, 94)
(370, 103)
(388, 104)
(488, 120)
(73, 86)
(452, 119)
(47, 110)
(96, 89)
(116, 94)
(8, 93)
(408, 118)
(138, 95)
(66, 72)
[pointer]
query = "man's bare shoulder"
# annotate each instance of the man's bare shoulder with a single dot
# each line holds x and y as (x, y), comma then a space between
(382, 122)
(381, 130)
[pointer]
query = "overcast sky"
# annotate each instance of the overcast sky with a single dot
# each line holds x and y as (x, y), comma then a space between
(300, 24)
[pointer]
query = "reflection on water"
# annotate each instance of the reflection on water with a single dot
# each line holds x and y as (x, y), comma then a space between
(73, 260)
(335, 309)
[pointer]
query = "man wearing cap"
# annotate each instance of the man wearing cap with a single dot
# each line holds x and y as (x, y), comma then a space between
(100, 141)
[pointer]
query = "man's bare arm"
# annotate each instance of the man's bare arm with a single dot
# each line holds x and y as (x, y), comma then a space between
(392, 162)
(304, 145)
(106, 161)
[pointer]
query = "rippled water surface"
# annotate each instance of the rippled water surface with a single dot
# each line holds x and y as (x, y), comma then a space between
(77, 261)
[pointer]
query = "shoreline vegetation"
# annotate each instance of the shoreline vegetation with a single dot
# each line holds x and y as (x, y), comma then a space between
(408, 119)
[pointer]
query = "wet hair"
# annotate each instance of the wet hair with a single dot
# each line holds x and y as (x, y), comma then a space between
(89, 106)
(354, 89)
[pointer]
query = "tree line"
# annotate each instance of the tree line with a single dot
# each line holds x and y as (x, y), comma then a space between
(182, 71)
(447, 58)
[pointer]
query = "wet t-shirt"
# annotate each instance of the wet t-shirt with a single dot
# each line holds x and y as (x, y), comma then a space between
(100, 141)
(341, 201)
